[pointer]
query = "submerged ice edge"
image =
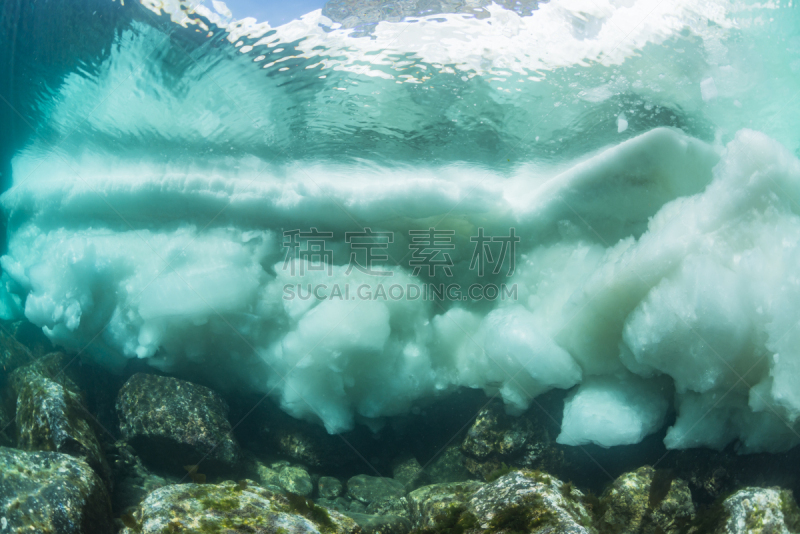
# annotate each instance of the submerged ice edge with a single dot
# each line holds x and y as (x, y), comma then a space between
(658, 272)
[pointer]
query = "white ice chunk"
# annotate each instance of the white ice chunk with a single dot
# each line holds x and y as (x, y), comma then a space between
(708, 89)
(612, 411)
(622, 123)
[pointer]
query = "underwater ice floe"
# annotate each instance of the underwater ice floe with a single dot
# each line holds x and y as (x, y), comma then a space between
(659, 272)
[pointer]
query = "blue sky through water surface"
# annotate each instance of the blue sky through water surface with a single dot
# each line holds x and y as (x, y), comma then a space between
(273, 11)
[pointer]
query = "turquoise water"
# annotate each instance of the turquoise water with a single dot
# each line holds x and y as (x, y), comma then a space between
(633, 164)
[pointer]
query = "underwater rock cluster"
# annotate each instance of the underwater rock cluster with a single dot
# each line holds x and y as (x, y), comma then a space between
(61, 486)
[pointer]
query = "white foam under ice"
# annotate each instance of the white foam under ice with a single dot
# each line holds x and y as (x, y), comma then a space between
(662, 264)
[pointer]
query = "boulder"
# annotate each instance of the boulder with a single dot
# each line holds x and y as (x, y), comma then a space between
(279, 476)
(449, 466)
(330, 487)
(268, 477)
(295, 480)
(496, 438)
(760, 511)
(527, 501)
(340, 504)
(13, 354)
(382, 496)
(381, 524)
(232, 507)
(495, 432)
(408, 471)
(7, 426)
(647, 501)
(132, 480)
(50, 492)
(50, 414)
(172, 423)
(430, 505)
(368, 489)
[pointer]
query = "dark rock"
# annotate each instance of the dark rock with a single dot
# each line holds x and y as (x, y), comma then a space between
(530, 502)
(495, 432)
(397, 506)
(172, 423)
(382, 496)
(369, 489)
(496, 439)
(711, 474)
(357, 507)
(132, 480)
(233, 507)
(279, 476)
(51, 415)
(271, 429)
(381, 524)
(430, 505)
(7, 426)
(50, 492)
(340, 504)
(13, 354)
(408, 472)
(304, 444)
(647, 501)
(449, 466)
(330, 487)
(265, 475)
(760, 510)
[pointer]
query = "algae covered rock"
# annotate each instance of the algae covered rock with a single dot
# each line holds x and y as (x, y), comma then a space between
(172, 423)
(330, 487)
(13, 354)
(496, 438)
(295, 480)
(264, 474)
(381, 524)
(50, 414)
(280, 476)
(647, 501)
(430, 505)
(760, 511)
(382, 496)
(449, 466)
(530, 502)
(368, 489)
(233, 507)
(50, 492)
(408, 471)
(495, 432)
(340, 504)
